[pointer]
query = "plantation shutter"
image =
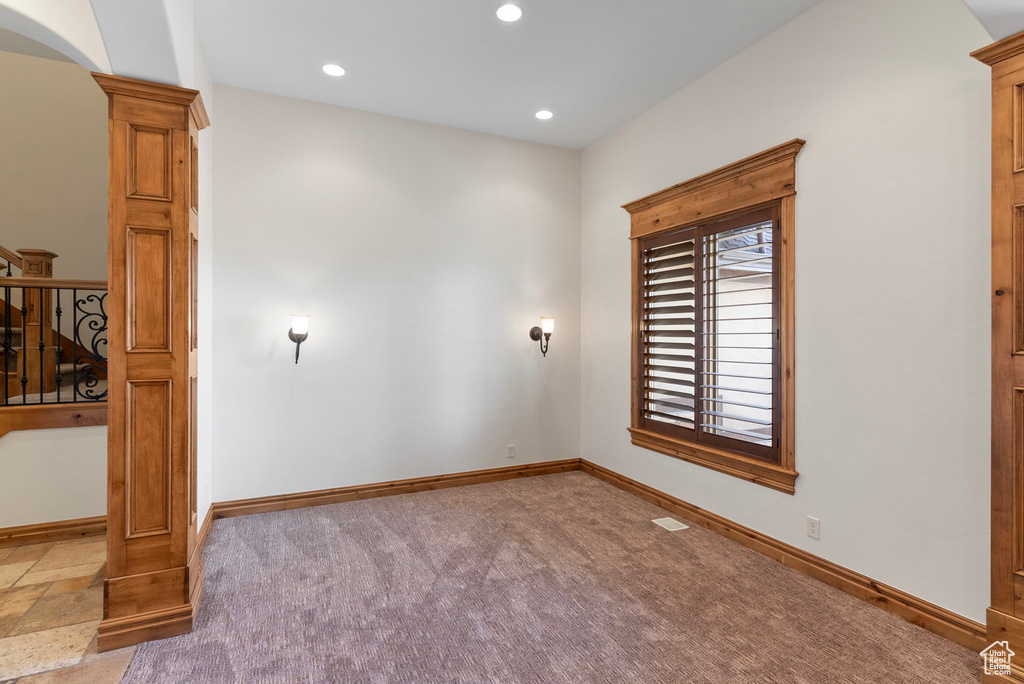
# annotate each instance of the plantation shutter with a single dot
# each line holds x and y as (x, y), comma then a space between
(670, 332)
(710, 343)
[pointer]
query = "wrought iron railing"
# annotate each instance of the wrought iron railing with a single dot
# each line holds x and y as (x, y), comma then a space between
(53, 341)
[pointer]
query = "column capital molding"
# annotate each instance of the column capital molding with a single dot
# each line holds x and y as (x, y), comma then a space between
(156, 92)
(1006, 48)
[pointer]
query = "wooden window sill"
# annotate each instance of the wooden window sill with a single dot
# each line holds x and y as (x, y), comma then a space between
(746, 468)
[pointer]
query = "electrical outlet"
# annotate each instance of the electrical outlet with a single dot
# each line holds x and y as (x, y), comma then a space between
(813, 527)
(510, 451)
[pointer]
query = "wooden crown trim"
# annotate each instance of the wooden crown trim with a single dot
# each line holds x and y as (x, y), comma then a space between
(1010, 46)
(159, 92)
(752, 163)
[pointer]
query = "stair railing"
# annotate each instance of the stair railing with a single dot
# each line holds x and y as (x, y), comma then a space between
(12, 259)
(53, 341)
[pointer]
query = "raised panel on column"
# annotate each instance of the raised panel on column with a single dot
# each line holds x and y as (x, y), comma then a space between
(149, 162)
(1017, 295)
(1018, 127)
(149, 289)
(149, 458)
(194, 175)
(193, 440)
(193, 290)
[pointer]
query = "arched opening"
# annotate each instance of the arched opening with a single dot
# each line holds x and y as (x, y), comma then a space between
(53, 272)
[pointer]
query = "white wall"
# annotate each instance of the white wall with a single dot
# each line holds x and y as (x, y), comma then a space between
(53, 190)
(892, 278)
(424, 255)
(51, 475)
(53, 179)
(204, 434)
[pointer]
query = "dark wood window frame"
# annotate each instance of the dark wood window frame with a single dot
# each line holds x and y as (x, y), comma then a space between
(766, 183)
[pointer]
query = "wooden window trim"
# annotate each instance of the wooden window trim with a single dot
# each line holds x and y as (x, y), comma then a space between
(762, 180)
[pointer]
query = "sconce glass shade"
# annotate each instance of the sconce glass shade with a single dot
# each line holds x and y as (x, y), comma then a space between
(300, 324)
(547, 325)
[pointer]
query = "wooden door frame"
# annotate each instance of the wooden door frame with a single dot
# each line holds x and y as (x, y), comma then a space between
(154, 573)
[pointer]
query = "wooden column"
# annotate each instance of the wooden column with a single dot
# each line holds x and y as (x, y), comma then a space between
(40, 353)
(154, 575)
(1006, 614)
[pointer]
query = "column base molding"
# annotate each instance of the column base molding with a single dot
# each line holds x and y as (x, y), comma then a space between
(1005, 627)
(134, 629)
(175, 592)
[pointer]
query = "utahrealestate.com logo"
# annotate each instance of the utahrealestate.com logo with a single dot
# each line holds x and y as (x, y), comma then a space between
(997, 658)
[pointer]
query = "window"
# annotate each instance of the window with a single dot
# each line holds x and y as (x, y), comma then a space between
(710, 334)
(712, 320)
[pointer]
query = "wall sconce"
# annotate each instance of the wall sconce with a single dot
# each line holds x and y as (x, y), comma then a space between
(547, 326)
(299, 331)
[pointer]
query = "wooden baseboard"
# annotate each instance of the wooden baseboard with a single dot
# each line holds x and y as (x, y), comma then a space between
(934, 618)
(285, 502)
(117, 633)
(204, 530)
(52, 416)
(53, 531)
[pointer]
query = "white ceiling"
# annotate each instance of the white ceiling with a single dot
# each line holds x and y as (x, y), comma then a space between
(15, 42)
(594, 63)
(1001, 18)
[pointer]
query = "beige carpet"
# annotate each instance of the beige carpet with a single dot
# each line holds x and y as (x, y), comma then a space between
(560, 578)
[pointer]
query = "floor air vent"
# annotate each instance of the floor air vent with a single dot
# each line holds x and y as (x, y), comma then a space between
(670, 524)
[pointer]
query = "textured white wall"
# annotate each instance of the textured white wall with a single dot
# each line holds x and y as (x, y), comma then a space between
(51, 475)
(892, 277)
(424, 255)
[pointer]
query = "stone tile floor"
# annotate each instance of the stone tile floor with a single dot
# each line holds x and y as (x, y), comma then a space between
(51, 603)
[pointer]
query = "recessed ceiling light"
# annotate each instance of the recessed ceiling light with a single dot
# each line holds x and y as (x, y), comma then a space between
(510, 12)
(544, 115)
(333, 70)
